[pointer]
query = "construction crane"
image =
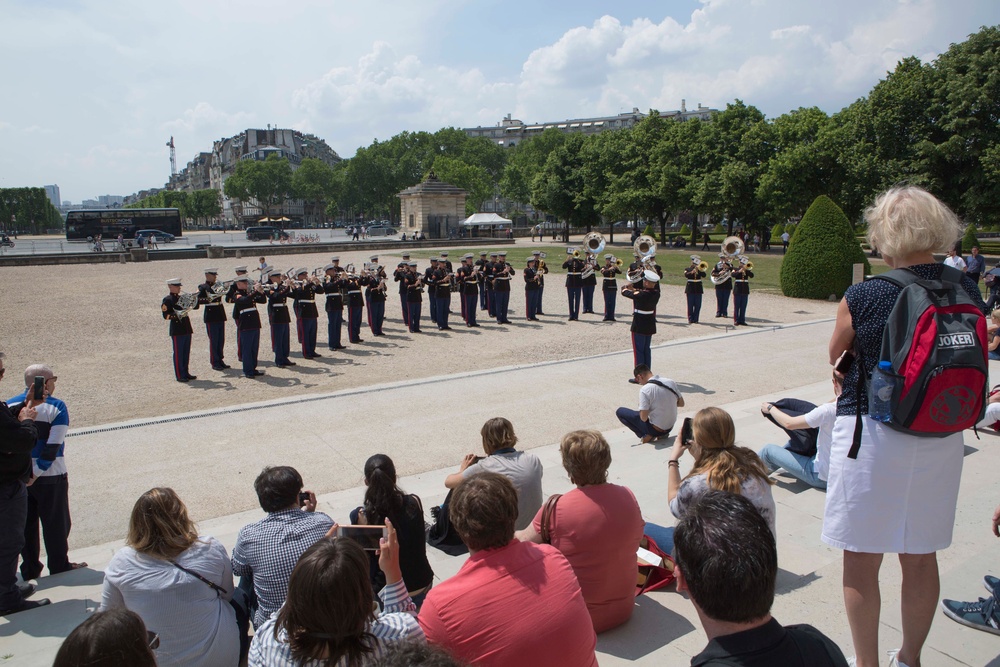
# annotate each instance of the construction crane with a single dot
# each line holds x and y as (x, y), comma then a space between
(173, 157)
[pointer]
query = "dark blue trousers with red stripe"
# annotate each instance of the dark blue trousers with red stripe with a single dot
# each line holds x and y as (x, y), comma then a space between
(443, 308)
(406, 310)
(641, 352)
(250, 341)
(182, 355)
(307, 336)
(354, 323)
(216, 343)
(414, 315)
(280, 343)
(334, 324)
(574, 294)
(469, 306)
(376, 315)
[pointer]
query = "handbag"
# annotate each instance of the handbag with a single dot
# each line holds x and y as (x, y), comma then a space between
(442, 535)
(547, 511)
(653, 576)
(240, 602)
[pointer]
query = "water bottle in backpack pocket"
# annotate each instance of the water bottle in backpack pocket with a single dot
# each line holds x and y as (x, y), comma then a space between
(880, 392)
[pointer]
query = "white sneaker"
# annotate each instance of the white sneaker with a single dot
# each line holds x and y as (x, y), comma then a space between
(894, 659)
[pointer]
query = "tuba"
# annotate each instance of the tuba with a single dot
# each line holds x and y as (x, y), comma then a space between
(645, 248)
(732, 247)
(594, 243)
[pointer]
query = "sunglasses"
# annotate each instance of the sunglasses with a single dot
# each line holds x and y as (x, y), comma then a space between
(153, 640)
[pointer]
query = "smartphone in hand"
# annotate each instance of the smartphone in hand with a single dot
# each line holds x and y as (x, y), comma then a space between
(38, 389)
(687, 432)
(367, 536)
(303, 498)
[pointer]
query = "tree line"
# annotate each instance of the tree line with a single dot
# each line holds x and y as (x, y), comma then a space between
(28, 210)
(202, 205)
(932, 124)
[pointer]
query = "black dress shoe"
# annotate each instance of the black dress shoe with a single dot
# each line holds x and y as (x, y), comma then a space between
(219, 368)
(444, 328)
(316, 354)
(256, 373)
(182, 379)
(26, 590)
(192, 377)
(25, 606)
(226, 366)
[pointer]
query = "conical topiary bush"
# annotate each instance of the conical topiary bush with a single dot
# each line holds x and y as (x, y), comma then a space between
(969, 239)
(821, 254)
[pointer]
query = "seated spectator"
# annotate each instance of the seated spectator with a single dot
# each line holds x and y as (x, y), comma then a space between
(384, 500)
(523, 469)
(806, 456)
(113, 638)
(659, 399)
(328, 617)
(994, 344)
(511, 603)
(985, 613)
(266, 551)
(597, 526)
(718, 465)
(179, 583)
(727, 563)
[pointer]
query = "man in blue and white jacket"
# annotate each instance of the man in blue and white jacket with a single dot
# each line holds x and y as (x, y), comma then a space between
(48, 490)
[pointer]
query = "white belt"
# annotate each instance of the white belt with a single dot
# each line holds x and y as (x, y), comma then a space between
(354, 291)
(742, 281)
(574, 274)
(212, 304)
(299, 301)
(502, 278)
(279, 305)
(334, 295)
(643, 312)
(698, 281)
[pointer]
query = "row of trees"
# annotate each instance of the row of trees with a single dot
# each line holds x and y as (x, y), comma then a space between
(28, 210)
(202, 205)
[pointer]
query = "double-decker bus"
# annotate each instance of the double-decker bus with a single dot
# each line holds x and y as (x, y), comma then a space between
(109, 223)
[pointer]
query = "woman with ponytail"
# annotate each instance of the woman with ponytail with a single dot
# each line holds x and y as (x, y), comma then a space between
(719, 465)
(384, 500)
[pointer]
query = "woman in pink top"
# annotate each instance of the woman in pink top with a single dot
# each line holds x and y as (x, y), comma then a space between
(597, 526)
(512, 603)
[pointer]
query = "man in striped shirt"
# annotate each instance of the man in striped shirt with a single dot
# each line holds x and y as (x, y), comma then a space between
(48, 493)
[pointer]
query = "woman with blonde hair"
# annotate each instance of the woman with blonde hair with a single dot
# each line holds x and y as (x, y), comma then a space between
(719, 465)
(178, 582)
(597, 526)
(523, 469)
(899, 494)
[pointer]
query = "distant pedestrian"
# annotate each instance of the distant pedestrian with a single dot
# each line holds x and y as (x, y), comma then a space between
(704, 241)
(784, 242)
(153, 245)
(975, 265)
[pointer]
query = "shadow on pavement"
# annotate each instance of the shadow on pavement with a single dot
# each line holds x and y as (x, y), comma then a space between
(651, 627)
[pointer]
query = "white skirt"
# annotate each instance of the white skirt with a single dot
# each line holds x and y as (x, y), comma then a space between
(898, 496)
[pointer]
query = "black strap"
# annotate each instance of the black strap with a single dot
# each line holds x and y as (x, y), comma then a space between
(218, 589)
(660, 384)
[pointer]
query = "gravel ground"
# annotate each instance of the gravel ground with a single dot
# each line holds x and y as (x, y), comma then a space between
(99, 327)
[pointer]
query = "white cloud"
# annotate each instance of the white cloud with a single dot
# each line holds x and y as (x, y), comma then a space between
(203, 116)
(790, 31)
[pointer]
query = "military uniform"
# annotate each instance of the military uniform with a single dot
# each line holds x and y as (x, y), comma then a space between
(531, 291)
(280, 320)
(332, 285)
(180, 333)
(610, 289)
(491, 297)
(241, 272)
(215, 322)
(722, 290)
(376, 301)
(573, 266)
(399, 275)
(413, 297)
(694, 290)
(355, 305)
(502, 272)
(481, 277)
(470, 292)
(249, 327)
(643, 322)
(542, 270)
(588, 285)
(741, 294)
(442, 293)
(431, 285)
(306, 314)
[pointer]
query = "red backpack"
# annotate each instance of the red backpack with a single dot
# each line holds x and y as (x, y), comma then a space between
(935, 339)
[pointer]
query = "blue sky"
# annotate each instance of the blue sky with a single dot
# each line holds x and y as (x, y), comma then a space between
(94, 88)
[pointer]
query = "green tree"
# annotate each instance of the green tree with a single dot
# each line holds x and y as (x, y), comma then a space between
(969, 239)
(313, 182)
(204, 204)
(28, 209)
(821, 254)
(268, 182)
(525, 161)
(559, 187)
(474, 180)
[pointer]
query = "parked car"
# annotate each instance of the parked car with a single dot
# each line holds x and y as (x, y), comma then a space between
(382, 230)
(161, 236)
(264, 233)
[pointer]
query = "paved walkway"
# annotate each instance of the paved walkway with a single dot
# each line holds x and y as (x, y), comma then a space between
(212, 459)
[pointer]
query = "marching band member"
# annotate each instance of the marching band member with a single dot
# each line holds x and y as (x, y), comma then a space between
(442, 292)
(722, 289)
(644, 299)
(304, 293)
(531, 289)
(610, 286)
(215, 320)
(431, 284)
(375, 293)
(502, 272)
(399, 275)
(246, 315)
(414, 287)
(491, 297)
(279, 318)
(231, 298)
(542, 270)
(469, 276)
(589, 284)
(355, 305)
(574, 267)
(741, 290)
(481, 275)
(694, 288)
(180, 330)
(452, 284)
(333, 283)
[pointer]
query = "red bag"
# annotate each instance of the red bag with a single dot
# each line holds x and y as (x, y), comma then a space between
(653, 577)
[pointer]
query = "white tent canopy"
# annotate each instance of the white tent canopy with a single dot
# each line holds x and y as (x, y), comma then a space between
(485, 220)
